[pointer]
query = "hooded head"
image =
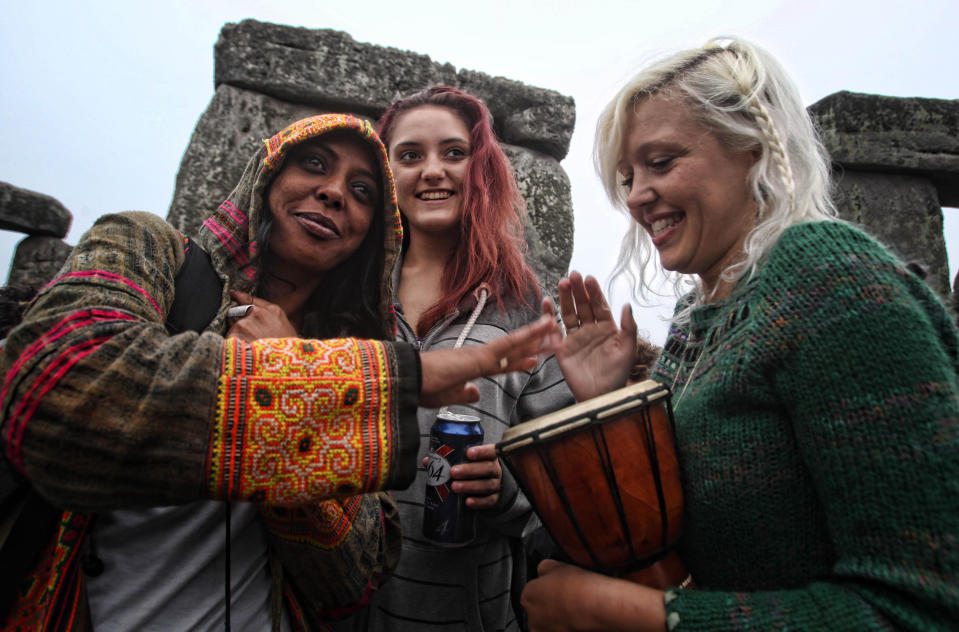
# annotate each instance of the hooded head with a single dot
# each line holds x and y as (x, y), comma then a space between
(354, 296)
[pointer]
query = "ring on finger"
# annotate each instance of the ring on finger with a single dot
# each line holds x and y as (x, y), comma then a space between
(238, 312)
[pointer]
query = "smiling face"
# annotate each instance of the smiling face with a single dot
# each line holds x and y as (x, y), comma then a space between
(323, 202)
(429, 154)
(687, 190)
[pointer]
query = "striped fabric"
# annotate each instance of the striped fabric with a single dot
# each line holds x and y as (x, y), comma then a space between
(469, 588)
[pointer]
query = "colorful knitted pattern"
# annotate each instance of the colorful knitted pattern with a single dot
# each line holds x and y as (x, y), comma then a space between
(817, 421)
(50, 600)
(301, 419)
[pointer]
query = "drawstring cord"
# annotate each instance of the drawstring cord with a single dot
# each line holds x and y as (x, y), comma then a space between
(481, 293)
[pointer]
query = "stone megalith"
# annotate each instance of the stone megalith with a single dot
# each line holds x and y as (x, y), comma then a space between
(896, 164)
(32, 213)
(37, 260)
(268, 76)
(46, 221)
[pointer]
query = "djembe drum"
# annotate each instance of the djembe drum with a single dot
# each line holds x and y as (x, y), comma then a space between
(603, 477)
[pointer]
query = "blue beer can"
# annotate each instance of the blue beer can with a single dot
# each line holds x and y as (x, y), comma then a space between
(446, 519)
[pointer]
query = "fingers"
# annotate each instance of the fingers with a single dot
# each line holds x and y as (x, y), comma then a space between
(517, 350)
(597, 300)
(458, 394)
(628, 323)
(548, 566)
(485, 452)
(567, 306)
(584, 311)
(445, 371)
(483, 463)
(242, 297)
(480, 479)
(582, 302)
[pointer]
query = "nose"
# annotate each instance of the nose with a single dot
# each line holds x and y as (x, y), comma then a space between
(640, 196)
(433, 168)
(332, 191)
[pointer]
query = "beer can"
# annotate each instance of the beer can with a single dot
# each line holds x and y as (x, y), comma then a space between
(446, 519)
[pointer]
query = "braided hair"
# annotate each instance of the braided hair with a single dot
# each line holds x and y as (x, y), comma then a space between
(741, 94)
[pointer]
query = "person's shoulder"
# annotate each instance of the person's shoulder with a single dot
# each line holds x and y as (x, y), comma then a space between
(143, 219)
(837, 261)
(817, 240)
(133, 226)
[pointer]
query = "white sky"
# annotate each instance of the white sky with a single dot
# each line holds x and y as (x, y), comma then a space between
(100, 98)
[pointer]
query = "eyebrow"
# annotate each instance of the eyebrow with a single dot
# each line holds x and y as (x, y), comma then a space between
(445, 141)
(318, 143)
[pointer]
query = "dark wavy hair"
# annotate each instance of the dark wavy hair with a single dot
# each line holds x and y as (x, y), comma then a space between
(493, 211)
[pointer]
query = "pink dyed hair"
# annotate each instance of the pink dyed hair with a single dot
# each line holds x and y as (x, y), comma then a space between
(493, 211)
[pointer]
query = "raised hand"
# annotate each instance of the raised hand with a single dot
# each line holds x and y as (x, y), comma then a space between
(446, 372)
(596, 355)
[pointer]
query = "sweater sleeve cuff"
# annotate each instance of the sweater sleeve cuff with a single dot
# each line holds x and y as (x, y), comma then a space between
(407, 442)
(303, 420)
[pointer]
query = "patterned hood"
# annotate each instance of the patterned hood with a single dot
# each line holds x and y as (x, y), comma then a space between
(229, 234)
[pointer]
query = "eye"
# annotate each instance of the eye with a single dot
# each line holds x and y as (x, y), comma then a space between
(457, 153)
(315, 162)
(661, 163)
(408, 155)
(364, 192)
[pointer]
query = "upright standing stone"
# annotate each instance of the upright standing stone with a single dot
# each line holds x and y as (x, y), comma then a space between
(268, 76)
(896, 165)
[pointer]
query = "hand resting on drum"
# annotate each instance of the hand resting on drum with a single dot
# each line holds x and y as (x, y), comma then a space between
(596, 355)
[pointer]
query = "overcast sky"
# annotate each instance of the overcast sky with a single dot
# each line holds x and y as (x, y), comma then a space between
(100, 98)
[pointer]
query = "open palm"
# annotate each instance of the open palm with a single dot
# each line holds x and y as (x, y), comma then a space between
(596, 355)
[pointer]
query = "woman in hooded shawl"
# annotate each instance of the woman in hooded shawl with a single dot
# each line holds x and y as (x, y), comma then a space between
(140, 435)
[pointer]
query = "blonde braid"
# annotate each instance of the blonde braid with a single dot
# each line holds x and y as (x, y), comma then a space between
(778, 150)
(744, 78)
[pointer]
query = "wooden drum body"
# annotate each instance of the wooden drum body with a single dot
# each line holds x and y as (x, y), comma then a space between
(603, 477)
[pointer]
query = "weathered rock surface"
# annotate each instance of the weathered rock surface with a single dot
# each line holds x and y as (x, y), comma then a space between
(268, 76)
(903, 211)
(32, 213)
(330, 69)
(549, 226)
(918, 136)
(37, 260)
(228, 133)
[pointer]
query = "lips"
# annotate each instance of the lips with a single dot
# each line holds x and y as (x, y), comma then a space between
(318, 224)
(662, 224)
(434, 195)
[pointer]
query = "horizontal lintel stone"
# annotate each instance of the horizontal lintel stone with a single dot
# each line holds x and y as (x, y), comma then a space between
(332, 71)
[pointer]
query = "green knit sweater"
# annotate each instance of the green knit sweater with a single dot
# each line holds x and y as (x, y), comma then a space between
(819, 440)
